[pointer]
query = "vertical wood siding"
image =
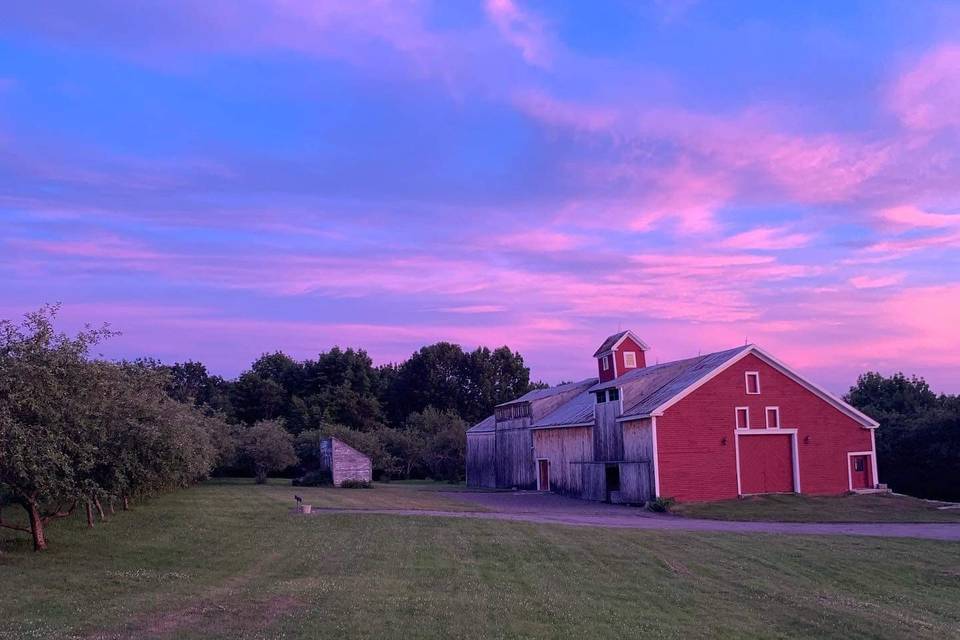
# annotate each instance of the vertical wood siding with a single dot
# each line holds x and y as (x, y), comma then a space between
(607, 434)
(592, 481)
(635, 482)
(637, 440)
(481, 469)
(562, 447)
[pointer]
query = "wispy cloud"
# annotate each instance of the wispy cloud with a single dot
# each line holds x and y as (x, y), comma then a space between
(522, 29)
(767, 239)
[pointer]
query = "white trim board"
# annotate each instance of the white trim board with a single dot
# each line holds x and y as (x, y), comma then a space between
(873, 466)
(766, 417)
(746, 382)
(736, 418)
(768, 432)
(656, 457)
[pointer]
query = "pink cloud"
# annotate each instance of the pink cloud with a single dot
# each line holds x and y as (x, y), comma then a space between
(767, 238)
(539, 241)
(910, 217)
(927, 97)
(475, 308)
(568, 115)
(522, 30)
(876, 282)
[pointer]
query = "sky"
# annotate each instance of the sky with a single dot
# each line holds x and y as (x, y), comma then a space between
(221, 179)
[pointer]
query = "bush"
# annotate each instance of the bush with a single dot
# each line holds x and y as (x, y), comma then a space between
(355, 484)
(313, 479)
(661, 505)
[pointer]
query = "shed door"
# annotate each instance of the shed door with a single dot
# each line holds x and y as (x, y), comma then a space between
(766, 463)
(860, 472)
(543, 471)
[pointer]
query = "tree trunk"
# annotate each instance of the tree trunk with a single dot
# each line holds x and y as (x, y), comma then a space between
(36, 525)
(126, 503)
(96, 502)
(89, 508)
(261, 476)
(110, 506)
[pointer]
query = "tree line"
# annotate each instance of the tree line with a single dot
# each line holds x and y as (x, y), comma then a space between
(918, 442)
(80, 432)
(410, 418)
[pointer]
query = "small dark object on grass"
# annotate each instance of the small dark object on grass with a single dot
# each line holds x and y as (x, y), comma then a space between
(355, 484)
(661, 505)
(298, 499)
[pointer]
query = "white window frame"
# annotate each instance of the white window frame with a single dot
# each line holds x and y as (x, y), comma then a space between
(746, 379)
(606, 363)
(629, 359)
(766, 417)
(736, 417)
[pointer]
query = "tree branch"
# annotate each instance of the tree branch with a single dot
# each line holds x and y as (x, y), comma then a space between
(14, 527)
(58, 513)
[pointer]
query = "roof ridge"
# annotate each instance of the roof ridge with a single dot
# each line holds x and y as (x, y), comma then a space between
(699, 359)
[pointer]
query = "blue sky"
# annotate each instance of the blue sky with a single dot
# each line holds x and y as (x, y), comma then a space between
(222, 179)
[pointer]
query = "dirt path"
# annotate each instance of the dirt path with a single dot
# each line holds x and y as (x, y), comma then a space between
(645, 520)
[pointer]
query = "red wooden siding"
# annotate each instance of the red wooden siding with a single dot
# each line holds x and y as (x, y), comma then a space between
(628, 345)
(605, 375)
(617, 362)
(695, 437)
(766, 464)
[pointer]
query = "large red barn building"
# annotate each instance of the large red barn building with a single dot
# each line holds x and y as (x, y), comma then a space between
(717, 426)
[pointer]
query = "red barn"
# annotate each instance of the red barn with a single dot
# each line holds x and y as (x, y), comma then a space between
(717, 426)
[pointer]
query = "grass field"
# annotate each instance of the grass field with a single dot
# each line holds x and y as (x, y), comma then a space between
(228, 560)
(881, 507)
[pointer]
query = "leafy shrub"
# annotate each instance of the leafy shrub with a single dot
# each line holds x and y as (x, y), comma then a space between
(355, 484)
(312, 479)
(661, 504)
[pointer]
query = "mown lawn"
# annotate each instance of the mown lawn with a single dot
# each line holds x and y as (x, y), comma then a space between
(228, 560)
(880, 507)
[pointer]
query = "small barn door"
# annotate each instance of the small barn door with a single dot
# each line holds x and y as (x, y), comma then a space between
(543, 475)
(859, 472)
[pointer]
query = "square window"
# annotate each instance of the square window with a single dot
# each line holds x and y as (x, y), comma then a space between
(629, 359)
(858, 464)
(613, 394)
(601, 396)
(743, 418)
(753, 383)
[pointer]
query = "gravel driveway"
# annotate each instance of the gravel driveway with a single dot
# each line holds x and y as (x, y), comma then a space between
(544, 508)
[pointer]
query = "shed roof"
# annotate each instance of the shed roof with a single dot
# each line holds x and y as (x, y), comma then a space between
(578, 411)
(540, 394)
(611, 342)
(487, 424)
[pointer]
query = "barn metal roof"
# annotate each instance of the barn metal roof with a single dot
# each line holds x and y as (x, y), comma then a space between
(539, 394)
(684, 373)
(653, 385)
(612, 341)
(578, 410)
(609, 342)
(488, 424)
